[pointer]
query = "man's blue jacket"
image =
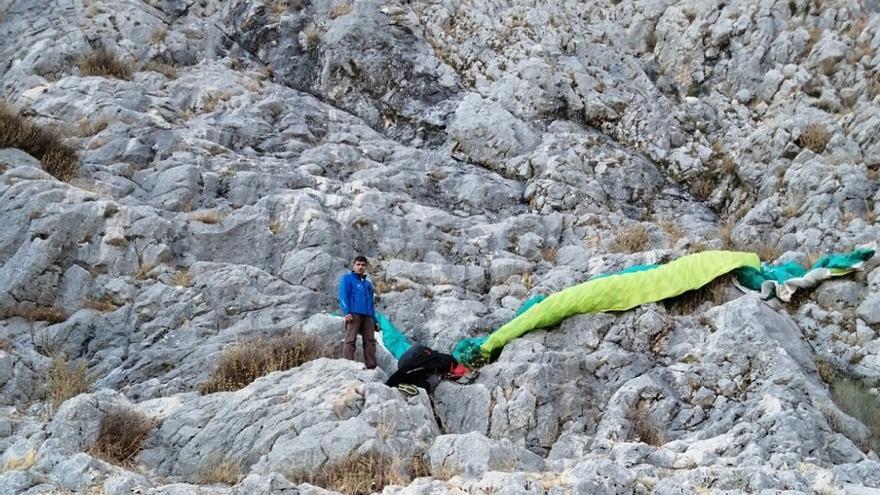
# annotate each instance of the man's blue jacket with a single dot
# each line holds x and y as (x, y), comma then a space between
(356, 295)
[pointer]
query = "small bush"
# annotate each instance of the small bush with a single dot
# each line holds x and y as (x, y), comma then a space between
(815, 137)
(42, 143)
(245, 362)
(121, 435)
(631, 240)
(67, 379)
(104, 63)
(702, 187)
(220, 470)
(363, 474)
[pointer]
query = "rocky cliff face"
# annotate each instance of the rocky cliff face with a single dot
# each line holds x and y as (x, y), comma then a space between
(235, 156)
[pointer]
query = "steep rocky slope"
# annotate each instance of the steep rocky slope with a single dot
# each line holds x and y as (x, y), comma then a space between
(478, 152)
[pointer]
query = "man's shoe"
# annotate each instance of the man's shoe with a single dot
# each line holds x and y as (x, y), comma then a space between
(408, 389)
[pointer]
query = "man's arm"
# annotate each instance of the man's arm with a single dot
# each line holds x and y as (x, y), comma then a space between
(343, 296)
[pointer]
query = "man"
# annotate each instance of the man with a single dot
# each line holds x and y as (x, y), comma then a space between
(421, 366)
(356, 302)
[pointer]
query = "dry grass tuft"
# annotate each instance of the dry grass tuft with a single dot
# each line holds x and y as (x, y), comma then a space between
(163, 68)
(644, 429)
(673, 232)
(549, 254)
(5, 344)
(631, 239)
(67, 379)
(815, 137)
(702, 187)
(50, 314)
(143, 271)
(689, 302)
(363, 474)
(104, 305)
(23, 463)
(183, 278)
(309, 37)
(104, 63)
(158, 36)
(244, 362)
(42, 143)
(874, 85)
(207, 216)
(220, 470)
(340, 9)
(87, 127)
(121, 435)
(766, 251)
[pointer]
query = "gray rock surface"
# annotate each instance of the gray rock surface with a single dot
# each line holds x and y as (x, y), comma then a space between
(478, 153)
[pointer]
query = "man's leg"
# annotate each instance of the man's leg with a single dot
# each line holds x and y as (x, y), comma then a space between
(351, 334)
(368, 333)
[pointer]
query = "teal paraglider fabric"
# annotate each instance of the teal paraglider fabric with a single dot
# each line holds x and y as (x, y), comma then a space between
(393, 339)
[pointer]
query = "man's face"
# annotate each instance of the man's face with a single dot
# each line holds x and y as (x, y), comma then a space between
(360, 267)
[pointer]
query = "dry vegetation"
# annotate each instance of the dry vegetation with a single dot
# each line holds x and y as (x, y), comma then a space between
(163, 68)
(42, 143)
(631, 239)
(23, 463)
(67, 379)
(310, 36)
(644, 428)
(853, 396)
(220, 470)
(363, 474)
(31, 313)
(103, 304)
(815, 137)
(158, 36)
(104, 63)
(689, 302)
(549, 254)
(88, 127)
(121, 435)
(244, 362)
(207, 216)
(673, 232)
(340, 9)
(182, 278)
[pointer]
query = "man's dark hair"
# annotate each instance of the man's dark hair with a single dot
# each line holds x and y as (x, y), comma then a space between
(361, 257)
